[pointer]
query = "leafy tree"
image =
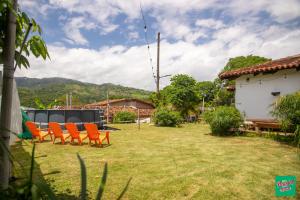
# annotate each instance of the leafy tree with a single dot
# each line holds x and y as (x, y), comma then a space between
(182, 94)
(164, 98)
(34, 45)
(206, 89)
(242, 61)
(14, 28)
(224, 97)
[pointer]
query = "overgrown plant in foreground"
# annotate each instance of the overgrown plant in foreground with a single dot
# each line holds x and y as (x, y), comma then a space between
(224, 120)
(36, 189)
(165, 117)
(287, 110)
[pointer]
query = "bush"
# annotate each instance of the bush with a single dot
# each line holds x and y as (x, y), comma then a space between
(165, 117)
(124, 117)
(287, 110)
(223, 120)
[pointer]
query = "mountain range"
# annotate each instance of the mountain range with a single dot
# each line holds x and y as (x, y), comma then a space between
(48, 90)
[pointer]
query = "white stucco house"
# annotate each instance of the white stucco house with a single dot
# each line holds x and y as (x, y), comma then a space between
(257, 87)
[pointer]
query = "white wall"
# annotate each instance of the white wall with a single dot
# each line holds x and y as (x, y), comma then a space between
(253, 98)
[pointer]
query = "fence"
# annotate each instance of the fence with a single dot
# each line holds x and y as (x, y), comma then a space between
(79, 117)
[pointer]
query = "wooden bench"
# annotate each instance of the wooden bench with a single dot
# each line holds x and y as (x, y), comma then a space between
(265, 124)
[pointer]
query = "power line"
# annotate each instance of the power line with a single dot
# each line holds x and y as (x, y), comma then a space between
(147, 42)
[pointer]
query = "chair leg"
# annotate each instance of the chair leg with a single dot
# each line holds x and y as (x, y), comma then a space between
(54, 140)
(107, 137)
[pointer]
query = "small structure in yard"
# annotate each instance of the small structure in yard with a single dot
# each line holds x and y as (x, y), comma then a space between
(257, 87)
(78, 117)
(144, 108)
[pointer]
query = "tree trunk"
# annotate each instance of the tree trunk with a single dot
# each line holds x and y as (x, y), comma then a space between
(7, 92)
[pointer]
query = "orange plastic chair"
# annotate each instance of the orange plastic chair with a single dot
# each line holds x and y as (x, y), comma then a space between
(55, 129)
(36, 132)
(74, 133)
(94, 134)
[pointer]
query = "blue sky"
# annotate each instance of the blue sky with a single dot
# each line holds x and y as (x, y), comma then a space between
(102, 41)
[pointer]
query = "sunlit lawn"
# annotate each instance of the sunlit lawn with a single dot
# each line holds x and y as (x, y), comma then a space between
(168, 163)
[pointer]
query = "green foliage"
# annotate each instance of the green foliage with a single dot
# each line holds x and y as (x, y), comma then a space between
(206, 89)
(36, 189)
(34, 44)
(224, 98)
(287, 110)
(30, 189)
(297, 136)
(165, 117)
(182, 94)
(41, 105)
(223, 120)
(124, 116)
(49, 89)
(242, 61)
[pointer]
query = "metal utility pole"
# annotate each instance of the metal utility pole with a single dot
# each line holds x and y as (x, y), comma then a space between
(67, 101)
(158, 77)
(7, 93)
(157, 70)
(70, 100)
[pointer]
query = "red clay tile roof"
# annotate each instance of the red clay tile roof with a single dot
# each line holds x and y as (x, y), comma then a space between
(115, 109)
(103, 103)
(270, 66)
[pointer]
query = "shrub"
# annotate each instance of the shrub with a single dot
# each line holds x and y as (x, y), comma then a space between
(287, 110)
(223, 120)
(124, 117)
(165, 117)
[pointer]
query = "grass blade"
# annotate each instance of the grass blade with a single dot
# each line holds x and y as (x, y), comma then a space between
(45, 189)
(31, 166)
(102, 184)
(124, 190)
(83, 178)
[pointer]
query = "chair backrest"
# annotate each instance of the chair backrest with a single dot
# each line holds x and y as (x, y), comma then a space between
(55, 128)
(92, 130)
(32, 128)
(72, 129)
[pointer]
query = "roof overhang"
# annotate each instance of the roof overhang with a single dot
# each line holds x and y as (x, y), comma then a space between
(291, 62)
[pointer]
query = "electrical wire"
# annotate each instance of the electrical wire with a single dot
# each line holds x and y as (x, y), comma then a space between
(147, 42)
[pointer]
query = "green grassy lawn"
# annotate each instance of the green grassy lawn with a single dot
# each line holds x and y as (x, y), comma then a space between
(168, 163)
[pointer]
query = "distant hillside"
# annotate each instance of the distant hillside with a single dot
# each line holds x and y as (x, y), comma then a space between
(49, 89)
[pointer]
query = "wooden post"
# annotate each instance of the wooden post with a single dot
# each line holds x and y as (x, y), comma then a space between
(139, 124)
(7, 93)
(107, 107)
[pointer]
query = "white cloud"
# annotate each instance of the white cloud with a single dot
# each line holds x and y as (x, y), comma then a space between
(133, 35)
(130, 66)
(210, 23)
(72, 30)
(281, 11)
